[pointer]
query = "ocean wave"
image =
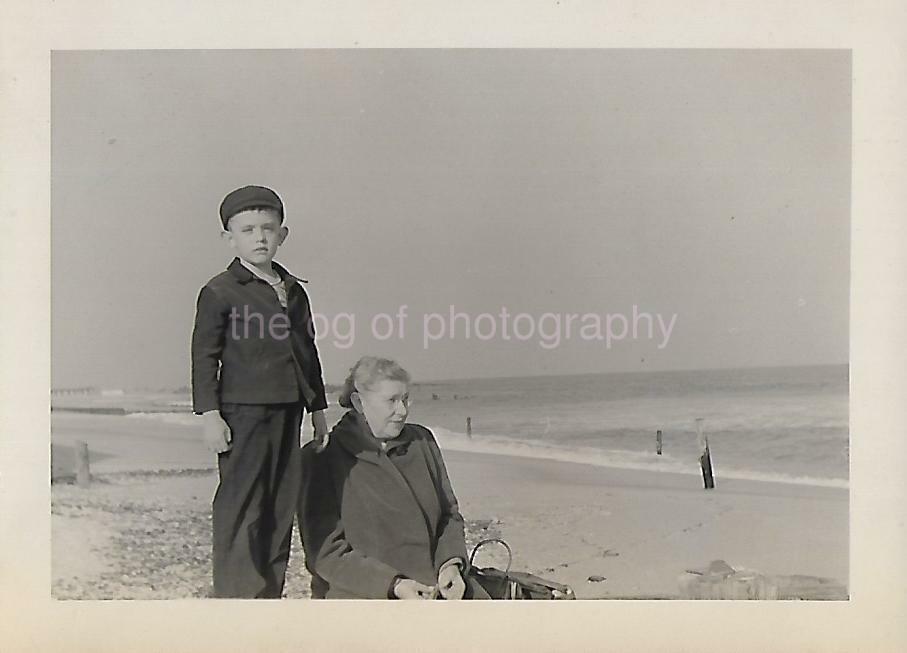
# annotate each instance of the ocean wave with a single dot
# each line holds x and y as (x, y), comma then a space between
(185, 419)
(616, 458)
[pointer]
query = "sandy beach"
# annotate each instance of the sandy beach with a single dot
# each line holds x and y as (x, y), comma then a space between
(142, 530)
(641, 530)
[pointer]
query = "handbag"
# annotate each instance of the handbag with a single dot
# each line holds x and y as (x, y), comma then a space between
(510, 585)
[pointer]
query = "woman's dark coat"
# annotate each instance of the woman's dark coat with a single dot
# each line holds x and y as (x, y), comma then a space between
(368, 516)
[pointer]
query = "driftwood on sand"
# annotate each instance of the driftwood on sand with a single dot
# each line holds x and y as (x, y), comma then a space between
(721, 581)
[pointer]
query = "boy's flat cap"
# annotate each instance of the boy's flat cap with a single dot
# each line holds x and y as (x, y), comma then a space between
(249, 197)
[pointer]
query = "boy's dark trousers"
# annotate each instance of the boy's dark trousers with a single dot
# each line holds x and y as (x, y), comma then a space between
(256, 500)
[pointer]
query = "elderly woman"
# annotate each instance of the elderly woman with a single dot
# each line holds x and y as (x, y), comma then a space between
(379, 518)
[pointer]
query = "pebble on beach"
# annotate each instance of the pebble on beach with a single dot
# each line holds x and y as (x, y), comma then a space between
(160, 547)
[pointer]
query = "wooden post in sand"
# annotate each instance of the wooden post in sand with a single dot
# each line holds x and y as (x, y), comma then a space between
(83, 473)
(705, 458)
(469, 427)
(658, 442)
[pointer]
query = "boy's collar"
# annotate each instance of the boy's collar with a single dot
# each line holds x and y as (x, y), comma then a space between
(244, 275)
(261, 274)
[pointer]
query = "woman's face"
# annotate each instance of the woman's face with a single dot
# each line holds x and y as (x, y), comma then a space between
(385, 406)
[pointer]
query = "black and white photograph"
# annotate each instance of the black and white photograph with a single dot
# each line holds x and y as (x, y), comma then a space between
(315, 311)
(590, 303)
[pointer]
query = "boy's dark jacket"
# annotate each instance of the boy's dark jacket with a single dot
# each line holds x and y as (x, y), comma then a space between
(246, 349)
(368, 516)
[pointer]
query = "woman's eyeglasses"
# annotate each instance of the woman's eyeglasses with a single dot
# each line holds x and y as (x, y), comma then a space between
(392, 402)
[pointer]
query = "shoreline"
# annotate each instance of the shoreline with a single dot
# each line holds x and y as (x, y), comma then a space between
(505, 446)
(485, 444)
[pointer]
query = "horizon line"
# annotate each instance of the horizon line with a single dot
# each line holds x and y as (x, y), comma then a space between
(504, 377)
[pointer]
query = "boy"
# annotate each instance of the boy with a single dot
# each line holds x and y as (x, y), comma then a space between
(255, 369)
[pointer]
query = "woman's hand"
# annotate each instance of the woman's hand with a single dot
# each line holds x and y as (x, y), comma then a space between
(407, 588)
(450, 582)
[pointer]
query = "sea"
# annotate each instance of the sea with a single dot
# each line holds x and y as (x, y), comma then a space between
(785, 424)
(780, 424)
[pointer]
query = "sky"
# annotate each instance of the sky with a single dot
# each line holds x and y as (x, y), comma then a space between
(708, 188)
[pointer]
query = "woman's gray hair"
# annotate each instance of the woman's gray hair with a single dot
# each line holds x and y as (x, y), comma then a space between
(367, 372)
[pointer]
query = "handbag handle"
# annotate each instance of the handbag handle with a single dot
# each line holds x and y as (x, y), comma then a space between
(510, 584)
(495, 540)
(490, 540)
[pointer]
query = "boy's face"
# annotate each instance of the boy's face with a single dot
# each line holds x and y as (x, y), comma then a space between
(255, 235)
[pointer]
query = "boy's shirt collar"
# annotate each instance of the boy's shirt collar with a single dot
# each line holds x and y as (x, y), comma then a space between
(243, 274)
(261, 275)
